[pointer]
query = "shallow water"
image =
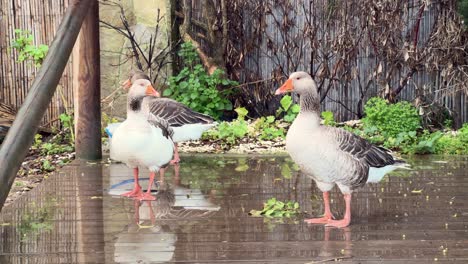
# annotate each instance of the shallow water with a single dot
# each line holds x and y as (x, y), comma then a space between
(201, 215)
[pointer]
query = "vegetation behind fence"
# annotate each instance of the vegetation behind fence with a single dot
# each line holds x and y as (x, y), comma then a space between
(412, 50)
(41, 19)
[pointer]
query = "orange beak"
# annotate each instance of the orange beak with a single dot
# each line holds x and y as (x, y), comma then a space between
(286, 87)
(127, 84)
(151, 91)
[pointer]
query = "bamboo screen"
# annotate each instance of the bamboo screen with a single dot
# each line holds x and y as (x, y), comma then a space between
(41, 19)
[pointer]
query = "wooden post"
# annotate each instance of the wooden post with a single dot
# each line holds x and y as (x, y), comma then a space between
(21, 134)
(86, 82)
(458, 109)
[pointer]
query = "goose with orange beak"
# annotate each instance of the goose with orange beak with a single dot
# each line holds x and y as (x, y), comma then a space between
(331, 155)
(186, 123)
(142, 140)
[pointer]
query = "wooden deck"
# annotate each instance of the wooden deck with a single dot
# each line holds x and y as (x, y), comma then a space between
(201, 216)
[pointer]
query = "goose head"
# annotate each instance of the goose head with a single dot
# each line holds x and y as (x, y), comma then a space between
(136, 75)
(140, 88)
(299, 82)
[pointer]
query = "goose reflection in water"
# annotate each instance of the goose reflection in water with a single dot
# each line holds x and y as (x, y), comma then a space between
(150, 238)
(329, 251)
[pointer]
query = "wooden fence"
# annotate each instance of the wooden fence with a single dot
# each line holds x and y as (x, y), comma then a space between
(42, 19)
(260, 61)
(343, 98)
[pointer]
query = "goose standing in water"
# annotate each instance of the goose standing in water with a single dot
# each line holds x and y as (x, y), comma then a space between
(142, 139)
(331, 155)
(186, 123)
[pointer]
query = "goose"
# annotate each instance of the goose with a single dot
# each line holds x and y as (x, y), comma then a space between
(186, 123)
(142, 139)
(331, 155)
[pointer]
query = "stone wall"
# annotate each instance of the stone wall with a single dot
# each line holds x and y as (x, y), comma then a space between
(115, 62)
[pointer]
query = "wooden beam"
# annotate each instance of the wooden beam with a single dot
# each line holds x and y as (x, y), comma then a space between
(86, 82)
(21, 134)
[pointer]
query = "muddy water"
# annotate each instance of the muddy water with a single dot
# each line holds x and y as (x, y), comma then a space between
(201, 215)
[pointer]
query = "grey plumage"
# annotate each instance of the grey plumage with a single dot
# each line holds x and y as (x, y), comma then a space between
(161, 123)
(329, 154)
(176, 114)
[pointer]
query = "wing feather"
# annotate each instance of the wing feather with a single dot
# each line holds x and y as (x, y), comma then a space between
(175, 113)
(361, 149)
(161, 123)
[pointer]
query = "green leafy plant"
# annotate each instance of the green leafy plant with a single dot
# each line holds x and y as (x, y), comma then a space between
(391, 119)
(288, 108)
(426, 144)
(37, 141)
(67, 123)
(277, 209)
(328, 118)
(230, 132)
(23, 44)
(268, 129)
(47, 165)
(453, 142)
(62, 142)
(197, 89)
(391, 125)
(51, 148)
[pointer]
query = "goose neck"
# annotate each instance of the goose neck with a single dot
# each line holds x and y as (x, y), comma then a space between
(310, 103)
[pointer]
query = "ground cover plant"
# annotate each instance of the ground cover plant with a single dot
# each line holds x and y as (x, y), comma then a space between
(395, 126)
(274, 208)
(398, 127)
(47, 154)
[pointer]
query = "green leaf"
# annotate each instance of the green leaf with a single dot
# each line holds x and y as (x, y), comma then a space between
(228, 105)
(270, 119)
(241, 112)
(269, 212)
(167, 92)
(328, 118)
(296, 108)
(271, 201)
(286, 102)
(183, 85)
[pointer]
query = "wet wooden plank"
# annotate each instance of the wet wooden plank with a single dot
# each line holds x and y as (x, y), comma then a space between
(387, 226)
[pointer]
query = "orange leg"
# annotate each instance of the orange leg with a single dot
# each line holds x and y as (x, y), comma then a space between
(176, 158)
(327, 216)
(147, 195)
(347, 217)
(136, 188)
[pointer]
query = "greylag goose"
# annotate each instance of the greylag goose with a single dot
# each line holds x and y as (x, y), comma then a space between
(331, 155)
(186, 123)
(142, 139)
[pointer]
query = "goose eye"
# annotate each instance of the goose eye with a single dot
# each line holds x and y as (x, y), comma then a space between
(298, 78)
